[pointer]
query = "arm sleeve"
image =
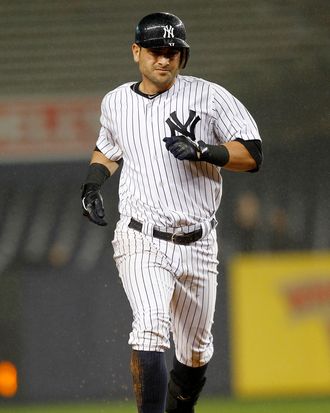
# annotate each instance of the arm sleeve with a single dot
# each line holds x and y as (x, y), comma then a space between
(106, 141)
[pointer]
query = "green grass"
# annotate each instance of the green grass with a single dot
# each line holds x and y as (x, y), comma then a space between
(220, 405)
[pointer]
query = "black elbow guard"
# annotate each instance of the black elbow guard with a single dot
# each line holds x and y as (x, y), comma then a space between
(255, 149)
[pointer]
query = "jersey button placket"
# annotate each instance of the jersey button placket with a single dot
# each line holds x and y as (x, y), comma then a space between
(149, 117)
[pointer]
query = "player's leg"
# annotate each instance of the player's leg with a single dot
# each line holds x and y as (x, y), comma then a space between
(192, 306)
(149, 375)
(184, 387)
(149, 287)
(193, 351)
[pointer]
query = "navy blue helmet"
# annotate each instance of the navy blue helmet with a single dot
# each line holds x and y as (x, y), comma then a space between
(158, 30)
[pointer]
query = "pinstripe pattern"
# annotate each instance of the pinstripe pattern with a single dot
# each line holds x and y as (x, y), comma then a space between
(154, 186)
(169, 287)
(165, 282)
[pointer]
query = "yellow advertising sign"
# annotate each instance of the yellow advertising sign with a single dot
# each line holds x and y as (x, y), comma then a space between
(280, 324)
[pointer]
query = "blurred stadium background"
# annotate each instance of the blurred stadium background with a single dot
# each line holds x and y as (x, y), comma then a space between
(64, 319)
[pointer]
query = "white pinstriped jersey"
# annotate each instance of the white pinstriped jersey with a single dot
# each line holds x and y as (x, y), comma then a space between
(154, 186)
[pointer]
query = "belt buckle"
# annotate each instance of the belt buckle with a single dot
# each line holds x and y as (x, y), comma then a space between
(175, 238)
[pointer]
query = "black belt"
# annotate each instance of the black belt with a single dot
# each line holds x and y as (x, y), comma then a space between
(177, 237)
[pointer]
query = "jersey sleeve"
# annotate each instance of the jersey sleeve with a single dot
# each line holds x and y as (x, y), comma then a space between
(106, 141)
(232, 119)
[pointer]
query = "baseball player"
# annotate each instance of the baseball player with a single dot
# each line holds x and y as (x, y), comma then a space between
(173, 134)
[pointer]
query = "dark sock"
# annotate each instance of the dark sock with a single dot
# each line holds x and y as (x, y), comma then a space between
(187, 376)
(149, 380)
(184, 387)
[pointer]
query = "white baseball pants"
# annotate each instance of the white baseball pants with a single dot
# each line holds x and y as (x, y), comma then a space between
(170, 288)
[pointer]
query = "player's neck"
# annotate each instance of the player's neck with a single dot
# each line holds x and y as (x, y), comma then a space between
(150, 89)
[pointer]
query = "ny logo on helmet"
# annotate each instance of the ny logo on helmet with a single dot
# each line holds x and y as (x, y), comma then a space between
(187, 128)
(168, 32)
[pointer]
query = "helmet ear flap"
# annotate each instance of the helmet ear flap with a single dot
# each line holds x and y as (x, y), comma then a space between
(185, 52)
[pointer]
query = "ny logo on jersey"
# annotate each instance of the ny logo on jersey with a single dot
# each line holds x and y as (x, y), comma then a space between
(187, 128)
(168, 32)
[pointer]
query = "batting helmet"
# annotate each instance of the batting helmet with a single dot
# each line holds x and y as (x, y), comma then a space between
(163, 30)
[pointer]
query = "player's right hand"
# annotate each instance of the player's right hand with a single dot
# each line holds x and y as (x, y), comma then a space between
(92, 204)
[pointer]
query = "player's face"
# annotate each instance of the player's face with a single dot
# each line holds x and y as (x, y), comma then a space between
(159, 67)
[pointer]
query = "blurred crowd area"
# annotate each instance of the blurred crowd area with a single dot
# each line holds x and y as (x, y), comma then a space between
(257, 231)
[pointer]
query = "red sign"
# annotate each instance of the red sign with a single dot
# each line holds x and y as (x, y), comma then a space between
(48, 128)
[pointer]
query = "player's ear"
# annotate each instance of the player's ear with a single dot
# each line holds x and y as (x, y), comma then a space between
(136, 52)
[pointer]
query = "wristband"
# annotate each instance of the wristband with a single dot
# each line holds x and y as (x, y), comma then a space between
(217, 155)
(97, 174)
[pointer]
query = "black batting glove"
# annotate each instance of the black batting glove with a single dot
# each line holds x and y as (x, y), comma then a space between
(183, 148)
(92, 204)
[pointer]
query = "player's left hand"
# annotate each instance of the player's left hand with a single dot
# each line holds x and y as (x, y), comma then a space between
(183, 147)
